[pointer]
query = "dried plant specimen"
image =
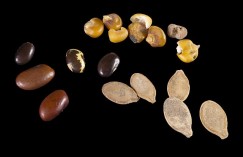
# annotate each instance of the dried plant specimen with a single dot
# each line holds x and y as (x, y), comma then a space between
(178, 85)
(119, 93)
(214, 118)
(144, 87)
(178, 116)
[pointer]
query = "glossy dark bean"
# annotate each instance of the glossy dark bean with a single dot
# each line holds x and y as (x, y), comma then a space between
(35, 77)
(75, 60)
(24, 53)
(53, 105)
(108, 64)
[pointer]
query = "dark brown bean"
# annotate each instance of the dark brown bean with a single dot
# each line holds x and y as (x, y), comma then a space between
(108, 64)
(24, 53)
(35, 77)
(75, 60)
(53, 105)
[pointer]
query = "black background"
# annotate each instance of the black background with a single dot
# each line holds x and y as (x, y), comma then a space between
(93, 121)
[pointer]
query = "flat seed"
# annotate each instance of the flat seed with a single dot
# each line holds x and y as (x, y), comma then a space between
(178, 116)
(144, 87)
(53, 105)
(108, 64)
(214, 118)
(24, 53)
(35, 77)
(75, 60)
(119, 93)
(178, 85)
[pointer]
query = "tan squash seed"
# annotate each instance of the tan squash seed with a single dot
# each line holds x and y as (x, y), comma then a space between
(144, 87)
(214, 118)
(178, 85)
(178, 116)
(119, 93)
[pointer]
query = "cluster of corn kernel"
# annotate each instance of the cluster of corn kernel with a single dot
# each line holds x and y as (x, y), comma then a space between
(140, 29)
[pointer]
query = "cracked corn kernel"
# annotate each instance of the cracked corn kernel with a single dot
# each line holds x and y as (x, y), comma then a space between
(112, 21)
(156, 37)
(137, 32)
(116, 36)
(94, 27)
(187, 51)
(142, 18)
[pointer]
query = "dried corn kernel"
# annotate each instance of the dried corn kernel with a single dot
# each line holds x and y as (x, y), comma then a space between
(112, 21)
(187, 51)
(143, 18)
(116, 36)
(94, 27)
(156, 37)
(137, 32)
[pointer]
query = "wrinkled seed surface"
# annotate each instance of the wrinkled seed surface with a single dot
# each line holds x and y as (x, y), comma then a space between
(176, 31)
(119, 93)
(144, 87)
(178, 85)
(178, 116)
(214, 118)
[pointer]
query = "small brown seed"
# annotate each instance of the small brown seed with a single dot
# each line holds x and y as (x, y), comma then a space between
(214, 118)
(119, 93)
(108, 64)
(156, 37)
(178, 85)
(144, 87)
(176, 31)
(178, 116)
(24, 53)
(75, 60)
(137, 32)
(53, 105)
(35, 77)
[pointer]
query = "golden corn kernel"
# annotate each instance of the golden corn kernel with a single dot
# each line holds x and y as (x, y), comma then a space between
(187, 51)
(94, 27)
(156, 37)
(143, 18)
(112, 21)
(117, 36)
(137, 32)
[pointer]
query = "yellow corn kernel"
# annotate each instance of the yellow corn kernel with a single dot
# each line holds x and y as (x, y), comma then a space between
(112, 21)
(156, 37)
(116, 36)
(187, 51)
(94, 27)
(143, 18)
(137, 32)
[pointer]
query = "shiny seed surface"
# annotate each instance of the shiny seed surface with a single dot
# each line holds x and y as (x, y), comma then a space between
(176, 31)
(94, 27)
(108, 64)
(35, 77)
(75, 60)
(178, 116)
(143, 87)
(214, 118)
(178, 85)
(24, 53)
(116, 36)
(119, 93)
(53, 105)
